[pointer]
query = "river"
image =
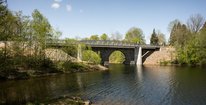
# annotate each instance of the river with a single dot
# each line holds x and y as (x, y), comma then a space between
(120, 85)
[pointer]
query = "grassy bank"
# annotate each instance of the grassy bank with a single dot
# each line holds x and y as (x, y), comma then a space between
(12, 68)
(63, 100)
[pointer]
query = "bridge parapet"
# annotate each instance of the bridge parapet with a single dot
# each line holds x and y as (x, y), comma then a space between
(102, 43)
(108, 43)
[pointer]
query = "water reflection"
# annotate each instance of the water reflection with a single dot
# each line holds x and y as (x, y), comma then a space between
(139, 73)
(124, 85)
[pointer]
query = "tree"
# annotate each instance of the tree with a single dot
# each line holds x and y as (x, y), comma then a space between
(182, 36)
(94, 37)
(41, 31)
(201, 44)
(135, 35)
(154, 38)
(116, 36)
(172, 23)
(161, 38)
(8, 27)
(195, 22)
(104, 37)
(174, 33)
(55, 33)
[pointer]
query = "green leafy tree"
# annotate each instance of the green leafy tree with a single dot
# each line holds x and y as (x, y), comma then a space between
(41, 31)
(154, 38)
(189, 41)
(135, 35)
(201, 45)
(8, 28)
(94, 37)
(104, 37)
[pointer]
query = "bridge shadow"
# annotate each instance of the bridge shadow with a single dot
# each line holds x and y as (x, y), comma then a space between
(147, 54)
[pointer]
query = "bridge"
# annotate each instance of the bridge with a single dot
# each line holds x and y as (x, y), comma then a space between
(134, 53)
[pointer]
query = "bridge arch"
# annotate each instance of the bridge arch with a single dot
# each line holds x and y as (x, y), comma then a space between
(129, 54)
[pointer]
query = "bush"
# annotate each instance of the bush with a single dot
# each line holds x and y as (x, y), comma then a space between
(91, 57)
(71, 50)
(38, 63)
(71, 66)
(117, 57)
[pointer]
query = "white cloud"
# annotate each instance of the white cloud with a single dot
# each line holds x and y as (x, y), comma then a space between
(55, 5)
(69, 8)
(57, 0)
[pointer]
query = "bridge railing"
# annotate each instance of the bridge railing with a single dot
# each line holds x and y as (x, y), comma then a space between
(101, 43)
(108, 42)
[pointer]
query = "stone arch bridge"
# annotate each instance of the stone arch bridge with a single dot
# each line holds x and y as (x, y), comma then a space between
(134, 53)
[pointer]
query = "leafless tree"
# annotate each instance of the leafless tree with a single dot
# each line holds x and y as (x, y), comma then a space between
(195, 22)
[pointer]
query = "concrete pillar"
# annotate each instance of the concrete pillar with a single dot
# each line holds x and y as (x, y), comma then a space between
(79, 53)
(136, 54)
(139, 58)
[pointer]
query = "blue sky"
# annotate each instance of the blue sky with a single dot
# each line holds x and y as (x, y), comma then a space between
(83, 18)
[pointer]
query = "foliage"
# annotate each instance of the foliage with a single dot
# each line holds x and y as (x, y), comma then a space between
(94, 37)
(117, 57)
(164, 62)
(91, 56)
(201, 44)
(179, 35)
(70, 49)
(195, 23)
(189, 41)
(188, 53)
(172, 23)
(41, 31)
(22, 37)
(154, 39)
(116, 36)
(69, 66)
(161, 38)
(104, 37)
(135, 35)
(55, 34)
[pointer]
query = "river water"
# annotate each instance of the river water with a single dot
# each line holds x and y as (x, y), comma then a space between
(120, 85)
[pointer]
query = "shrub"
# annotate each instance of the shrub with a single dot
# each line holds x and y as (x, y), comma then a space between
(91, 57)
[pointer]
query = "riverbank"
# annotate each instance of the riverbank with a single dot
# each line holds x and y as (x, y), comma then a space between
(59, 68)
(64, 100)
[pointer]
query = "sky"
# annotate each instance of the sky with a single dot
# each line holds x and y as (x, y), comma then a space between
(83, 18)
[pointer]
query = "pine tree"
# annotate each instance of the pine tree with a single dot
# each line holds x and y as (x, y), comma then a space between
(154, 38)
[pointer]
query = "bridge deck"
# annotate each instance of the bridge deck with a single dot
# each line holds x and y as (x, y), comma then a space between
(105, 44)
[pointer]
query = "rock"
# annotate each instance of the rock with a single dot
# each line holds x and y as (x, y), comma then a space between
(58, 55)
(165, 54)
